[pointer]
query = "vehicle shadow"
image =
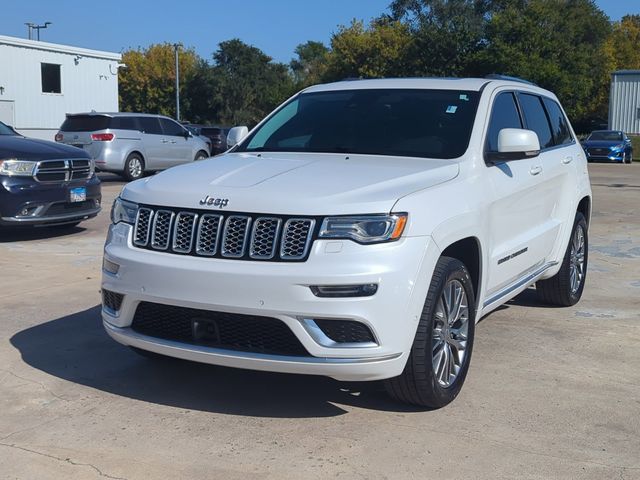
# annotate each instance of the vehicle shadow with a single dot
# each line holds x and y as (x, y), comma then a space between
(25, 234)
(77, 349)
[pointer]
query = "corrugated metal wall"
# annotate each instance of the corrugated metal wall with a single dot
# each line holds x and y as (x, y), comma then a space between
(624, 102)
(87, 83)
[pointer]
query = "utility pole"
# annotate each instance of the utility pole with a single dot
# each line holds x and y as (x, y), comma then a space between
(176, 46)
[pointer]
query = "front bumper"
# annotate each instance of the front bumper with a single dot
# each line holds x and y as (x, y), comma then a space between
(281, 290)
(24, 201)
(613, 156)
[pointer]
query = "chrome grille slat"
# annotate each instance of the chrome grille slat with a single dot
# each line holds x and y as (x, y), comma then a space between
(142, 230)
(161, 229)
(62, 170)
(264, 236)
(296, 238)
(232, 236)
(183, 231)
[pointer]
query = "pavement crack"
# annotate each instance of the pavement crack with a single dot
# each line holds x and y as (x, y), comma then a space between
(42, 385)
(63, 460)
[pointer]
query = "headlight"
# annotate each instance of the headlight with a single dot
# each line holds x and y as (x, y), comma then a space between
(365, 228)
(20, 168)
(618, 147)
(123, 211)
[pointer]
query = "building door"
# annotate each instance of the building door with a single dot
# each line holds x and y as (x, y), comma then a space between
(7, 112)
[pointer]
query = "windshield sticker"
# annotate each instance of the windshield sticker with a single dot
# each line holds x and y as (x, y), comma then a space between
(464, 96)
(452, 109)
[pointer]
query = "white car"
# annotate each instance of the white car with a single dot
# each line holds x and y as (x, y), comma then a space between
(359, 232)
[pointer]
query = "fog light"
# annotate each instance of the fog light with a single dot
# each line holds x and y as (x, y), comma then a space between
(110, 267)
(364, 290)
(28, 211)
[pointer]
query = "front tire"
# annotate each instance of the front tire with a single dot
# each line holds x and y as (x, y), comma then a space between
(133, 167)
(565, 288)
(439, 359)
(200, 156)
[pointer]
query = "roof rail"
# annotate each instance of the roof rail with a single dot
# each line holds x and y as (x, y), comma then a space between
(497, 76)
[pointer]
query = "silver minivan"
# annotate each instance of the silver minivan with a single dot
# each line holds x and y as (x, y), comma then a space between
(132, 143)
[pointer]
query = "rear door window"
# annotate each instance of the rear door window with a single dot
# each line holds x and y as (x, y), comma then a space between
(125, 123)
(503, 115)
(559, 124)
(150, 125)
(535, 118)
(85, 123)
(169, 127)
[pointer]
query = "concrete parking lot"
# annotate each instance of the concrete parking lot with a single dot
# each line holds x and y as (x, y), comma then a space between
(551, 393)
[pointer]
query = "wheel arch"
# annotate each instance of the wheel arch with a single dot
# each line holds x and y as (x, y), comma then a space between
(584, 207)
(468, 250)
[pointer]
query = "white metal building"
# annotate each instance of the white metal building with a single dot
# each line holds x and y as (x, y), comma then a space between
(624, 101)
(40, 82)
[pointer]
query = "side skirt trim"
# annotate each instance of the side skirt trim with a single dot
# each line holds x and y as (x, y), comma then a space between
(523, 282)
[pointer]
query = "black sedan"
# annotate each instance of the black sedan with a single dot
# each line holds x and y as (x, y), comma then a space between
(608, 146)
(45, 183)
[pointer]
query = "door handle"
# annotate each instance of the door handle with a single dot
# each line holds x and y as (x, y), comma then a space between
(172, 141)
(535, 170)
(567, 160)
(164, 140)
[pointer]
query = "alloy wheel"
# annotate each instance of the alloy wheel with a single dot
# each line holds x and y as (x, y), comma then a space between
(576, 259)
(450, 333)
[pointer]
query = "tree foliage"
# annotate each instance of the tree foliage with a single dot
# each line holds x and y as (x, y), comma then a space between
(567, 46)
(147, 84)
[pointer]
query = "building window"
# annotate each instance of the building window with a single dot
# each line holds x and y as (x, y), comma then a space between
(50, 78)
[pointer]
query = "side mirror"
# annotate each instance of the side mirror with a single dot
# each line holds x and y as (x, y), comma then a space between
(516, 144)
(236, 135)
(187, 133)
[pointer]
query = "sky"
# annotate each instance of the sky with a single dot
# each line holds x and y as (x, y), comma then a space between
(274, 26)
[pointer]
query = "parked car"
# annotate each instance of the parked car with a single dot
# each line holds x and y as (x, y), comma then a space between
(132, 143)
(195, 130)
(359, 232)
(218, 137)
(44, 183)
(608, 146)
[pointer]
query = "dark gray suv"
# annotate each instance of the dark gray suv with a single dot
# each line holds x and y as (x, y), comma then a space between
(132, 143)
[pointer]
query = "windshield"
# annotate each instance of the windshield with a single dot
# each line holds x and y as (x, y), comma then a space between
(397, 122)
(6, 130)
(605, 135)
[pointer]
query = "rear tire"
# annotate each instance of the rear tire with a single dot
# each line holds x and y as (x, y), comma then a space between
(565, 288)
(201, 155)
(133, 167)
(439, 359)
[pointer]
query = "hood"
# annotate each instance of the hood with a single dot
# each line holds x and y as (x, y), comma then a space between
(23, 148)
(601, 143)
(293, 183)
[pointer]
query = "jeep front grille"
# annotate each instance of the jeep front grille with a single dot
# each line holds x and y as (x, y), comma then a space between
(233, 236)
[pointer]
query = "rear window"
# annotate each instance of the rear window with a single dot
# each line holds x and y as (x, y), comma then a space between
(85, 123)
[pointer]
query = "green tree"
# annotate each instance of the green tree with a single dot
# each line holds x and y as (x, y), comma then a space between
(558, 44)
(148, 82)
(379, 50)
(248, 84)
(623, 45)
(310, 63)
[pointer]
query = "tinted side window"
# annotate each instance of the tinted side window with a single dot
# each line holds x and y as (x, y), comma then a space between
(170, 127)
(124, 123)
(559, 124)
(536, 118)
(503, 115)
(150, 125)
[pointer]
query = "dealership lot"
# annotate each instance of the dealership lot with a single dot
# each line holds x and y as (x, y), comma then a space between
(551, 393)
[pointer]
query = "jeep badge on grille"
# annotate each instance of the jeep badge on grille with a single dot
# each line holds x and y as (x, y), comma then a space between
(216, 202)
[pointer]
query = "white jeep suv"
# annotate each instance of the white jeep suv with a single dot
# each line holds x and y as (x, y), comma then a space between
(359, 232)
